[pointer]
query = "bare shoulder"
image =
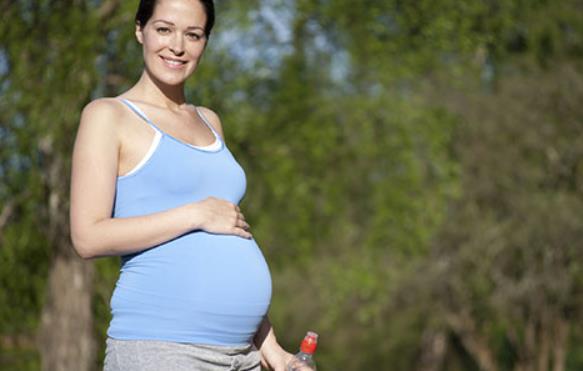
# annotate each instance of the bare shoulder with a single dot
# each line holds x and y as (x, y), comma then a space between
(100, 122)
(102, 116)
(102, 109)
(213, 118)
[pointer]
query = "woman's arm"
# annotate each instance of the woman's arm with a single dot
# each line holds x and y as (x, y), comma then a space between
(273, 356)
(94, 170)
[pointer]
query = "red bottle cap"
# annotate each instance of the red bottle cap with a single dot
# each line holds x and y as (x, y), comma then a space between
(310, 343)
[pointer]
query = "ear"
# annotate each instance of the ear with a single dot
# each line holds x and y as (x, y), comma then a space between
(139, 34)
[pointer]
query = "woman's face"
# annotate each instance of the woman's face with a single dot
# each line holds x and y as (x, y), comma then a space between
(173, 39)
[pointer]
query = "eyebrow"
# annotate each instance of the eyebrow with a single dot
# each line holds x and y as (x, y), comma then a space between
(172, 24)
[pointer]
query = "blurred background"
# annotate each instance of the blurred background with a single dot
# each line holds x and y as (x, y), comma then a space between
(415, 175)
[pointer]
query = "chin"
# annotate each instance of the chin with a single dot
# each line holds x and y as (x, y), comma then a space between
(171, 78)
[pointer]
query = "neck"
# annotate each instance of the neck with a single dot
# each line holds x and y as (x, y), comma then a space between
(158, 93)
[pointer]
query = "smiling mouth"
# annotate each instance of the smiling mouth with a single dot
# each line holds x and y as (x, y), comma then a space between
(173, 63)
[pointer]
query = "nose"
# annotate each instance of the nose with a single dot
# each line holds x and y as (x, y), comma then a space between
(177, 45)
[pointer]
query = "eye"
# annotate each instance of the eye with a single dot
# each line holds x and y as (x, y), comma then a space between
(194, 36)
(163, 30)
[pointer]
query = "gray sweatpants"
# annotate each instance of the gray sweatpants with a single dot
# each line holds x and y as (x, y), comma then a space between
(150, 355)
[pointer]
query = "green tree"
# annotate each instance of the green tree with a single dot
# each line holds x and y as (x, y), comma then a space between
(49, 76)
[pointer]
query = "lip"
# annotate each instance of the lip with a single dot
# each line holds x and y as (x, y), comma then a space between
(173, 63)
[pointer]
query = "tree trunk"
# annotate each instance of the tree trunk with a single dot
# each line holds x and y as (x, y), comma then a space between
(66, 337)
(433, 350)
(66, 340)
(560, 344)
(545, 337)
(527, 348)
(543, 354)
(476, 345)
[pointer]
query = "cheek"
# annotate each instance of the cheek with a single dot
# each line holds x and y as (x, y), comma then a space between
(153, 43)
(197, 50)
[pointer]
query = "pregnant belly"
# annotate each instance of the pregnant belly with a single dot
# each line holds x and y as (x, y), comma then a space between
(200, 287)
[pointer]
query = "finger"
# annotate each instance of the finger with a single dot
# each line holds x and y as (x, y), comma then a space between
(242, 233)
(264, 363)
(243, 224)
(240, 223)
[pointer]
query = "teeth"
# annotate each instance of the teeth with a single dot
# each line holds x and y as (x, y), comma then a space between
(173, 63)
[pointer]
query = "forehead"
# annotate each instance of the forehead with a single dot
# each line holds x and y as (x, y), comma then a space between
(180, 12)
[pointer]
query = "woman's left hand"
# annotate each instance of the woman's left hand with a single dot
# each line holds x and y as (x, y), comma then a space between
(275, 358)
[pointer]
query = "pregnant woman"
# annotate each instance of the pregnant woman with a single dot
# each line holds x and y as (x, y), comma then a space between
(154, 182)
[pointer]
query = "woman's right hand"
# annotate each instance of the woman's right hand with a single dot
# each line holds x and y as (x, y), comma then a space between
(219, 216)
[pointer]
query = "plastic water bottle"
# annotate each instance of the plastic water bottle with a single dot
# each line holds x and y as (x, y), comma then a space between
(303, 361)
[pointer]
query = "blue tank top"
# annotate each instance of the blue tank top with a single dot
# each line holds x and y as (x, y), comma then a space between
(200, 287)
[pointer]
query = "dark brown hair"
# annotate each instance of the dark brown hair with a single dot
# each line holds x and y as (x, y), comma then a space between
(146, 9)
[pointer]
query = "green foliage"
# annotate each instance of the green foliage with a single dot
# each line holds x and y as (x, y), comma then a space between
(512, 247)
(106, 274)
